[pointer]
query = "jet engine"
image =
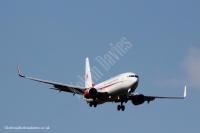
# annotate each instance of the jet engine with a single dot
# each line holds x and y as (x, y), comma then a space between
(90, 93)
(137, 99)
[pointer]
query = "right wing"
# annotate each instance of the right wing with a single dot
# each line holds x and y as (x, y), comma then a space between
(58, 86)
(147, 98)
(151, 98)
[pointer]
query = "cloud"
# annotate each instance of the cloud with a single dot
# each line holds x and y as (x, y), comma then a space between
(191, 65)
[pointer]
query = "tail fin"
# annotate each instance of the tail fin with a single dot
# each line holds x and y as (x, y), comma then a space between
(88, 77)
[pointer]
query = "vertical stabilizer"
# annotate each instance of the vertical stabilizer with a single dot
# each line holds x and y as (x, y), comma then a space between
(88, 77)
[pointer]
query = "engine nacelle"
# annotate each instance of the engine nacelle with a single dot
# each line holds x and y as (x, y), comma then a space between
(137, 99)
(90, 93)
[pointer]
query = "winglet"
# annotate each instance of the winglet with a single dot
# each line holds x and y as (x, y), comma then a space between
(184, 95)
(19, 72)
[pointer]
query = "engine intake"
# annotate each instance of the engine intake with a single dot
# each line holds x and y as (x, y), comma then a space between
(137, 99)
(90, 93)
(93, 92)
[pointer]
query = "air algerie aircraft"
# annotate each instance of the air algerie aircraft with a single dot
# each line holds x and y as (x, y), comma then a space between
(118, 89)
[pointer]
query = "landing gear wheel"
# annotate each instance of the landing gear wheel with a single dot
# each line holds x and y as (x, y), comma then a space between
(90, 104)
(123, 107)
(95, 104)
(118, 107)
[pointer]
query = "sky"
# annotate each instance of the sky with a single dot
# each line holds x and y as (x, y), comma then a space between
(51, 39)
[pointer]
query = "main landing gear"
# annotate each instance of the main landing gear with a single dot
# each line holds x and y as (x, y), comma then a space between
(122, 107)
(93, 103)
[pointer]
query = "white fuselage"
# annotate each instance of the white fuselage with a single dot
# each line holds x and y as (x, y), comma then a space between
(117, 86)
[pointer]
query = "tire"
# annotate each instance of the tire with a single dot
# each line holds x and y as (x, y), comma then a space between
(95, 104)
(118, 107)
(90, 104)
(123, 107)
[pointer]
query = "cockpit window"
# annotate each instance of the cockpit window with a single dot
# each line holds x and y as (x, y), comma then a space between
(132, 76)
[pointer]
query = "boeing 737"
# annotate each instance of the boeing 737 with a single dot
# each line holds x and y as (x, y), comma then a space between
(118, 89)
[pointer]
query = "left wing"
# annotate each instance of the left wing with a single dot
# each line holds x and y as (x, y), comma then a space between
(58, 86)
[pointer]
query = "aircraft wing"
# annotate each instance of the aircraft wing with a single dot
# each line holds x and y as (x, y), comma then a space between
(146, 97)
(151, 98)
(58, 86)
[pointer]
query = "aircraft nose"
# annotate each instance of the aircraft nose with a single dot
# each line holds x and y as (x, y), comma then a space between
(134, 82)
(137, 78)
(134, 79)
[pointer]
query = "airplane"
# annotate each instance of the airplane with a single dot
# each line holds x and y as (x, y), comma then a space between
(118, 89)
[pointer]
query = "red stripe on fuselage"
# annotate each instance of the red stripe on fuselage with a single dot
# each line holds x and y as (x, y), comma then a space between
(110, 85)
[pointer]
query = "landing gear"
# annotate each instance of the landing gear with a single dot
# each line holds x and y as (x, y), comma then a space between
(90, 104)
(93, 103)
(118, 107)
(121, 107)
